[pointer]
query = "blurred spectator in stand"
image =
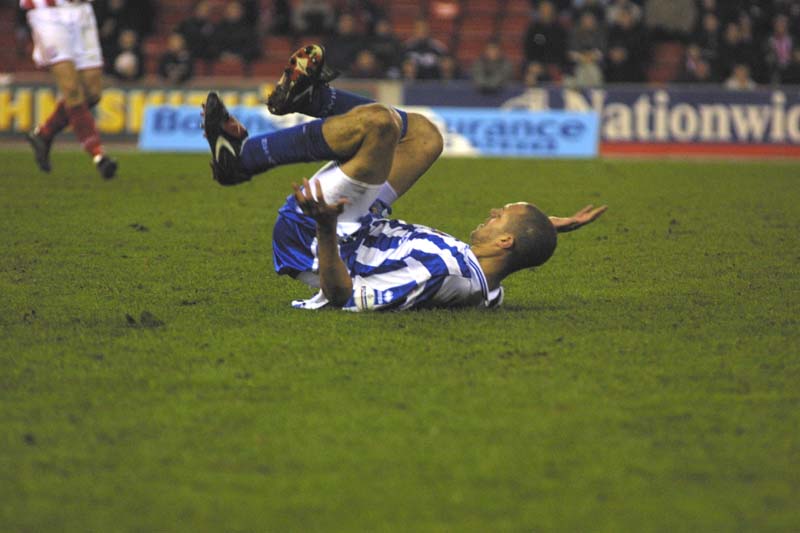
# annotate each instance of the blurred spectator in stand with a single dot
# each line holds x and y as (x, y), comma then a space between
(176, 64)
(669, 20)
(596, 7)
(587, 43)
(586, 73)
(236, 37)
(127, 60)
(740, 79)
(366, 12)
(725, 10)
(707, 39)
(252, 12)
(492, 71)
(343, 46)
(696, 69)
(779, 48)
(387, 48)
(627, 49)
(615, 6)
(314, 17)
(534, 97)
(449, 69)
(792, 11)
(732, 50)
(409, 70)
(366, 66)
(281, 18)
(791, 75)
(701, 73)
(425, 51)
(706, 6)
(115, 15)
(753, 48)
(545, 39)
(199, 32)
(110, 18)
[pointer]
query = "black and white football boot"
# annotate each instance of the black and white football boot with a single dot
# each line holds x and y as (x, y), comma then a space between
(225, 137)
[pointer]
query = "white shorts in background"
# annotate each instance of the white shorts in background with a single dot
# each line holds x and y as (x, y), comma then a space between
(65, 33)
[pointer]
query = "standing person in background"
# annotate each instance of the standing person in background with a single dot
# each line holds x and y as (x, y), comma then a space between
(492, 71)
(425, 51)
(176, 65)
(115, 16)
(587, 47)
(343, 45)
(199, 31)
(545, 39)
(236, 36)
(127, 58)
(66, 41)
(387, 48)
(779, 48)
(627, 49)
(313, 16)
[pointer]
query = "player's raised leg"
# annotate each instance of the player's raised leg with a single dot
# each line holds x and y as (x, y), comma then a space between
(350, 139)
(304, 88)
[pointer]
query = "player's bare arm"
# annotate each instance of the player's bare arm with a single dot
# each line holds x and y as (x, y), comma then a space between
(588, 214)
(334, 278)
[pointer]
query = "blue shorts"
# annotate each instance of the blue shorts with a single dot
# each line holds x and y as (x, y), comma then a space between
(294, 233)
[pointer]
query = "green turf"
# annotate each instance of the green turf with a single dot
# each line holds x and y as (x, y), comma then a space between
(154, 378)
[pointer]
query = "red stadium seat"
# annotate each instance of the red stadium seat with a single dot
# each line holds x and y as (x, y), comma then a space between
(482, 8)
(268, 71)
(476, 29)
(228, 66)
(278, 47)
(513, 24)
(520, 8)
(469, 50)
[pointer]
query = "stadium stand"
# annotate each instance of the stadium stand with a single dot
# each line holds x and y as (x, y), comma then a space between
(463, 26)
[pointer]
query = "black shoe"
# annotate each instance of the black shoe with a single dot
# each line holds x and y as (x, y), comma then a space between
(225, 137)
(41, 149)
(106, 166)
(305, 73)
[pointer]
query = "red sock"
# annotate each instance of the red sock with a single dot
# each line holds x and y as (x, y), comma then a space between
(56, 122)
(82, 123)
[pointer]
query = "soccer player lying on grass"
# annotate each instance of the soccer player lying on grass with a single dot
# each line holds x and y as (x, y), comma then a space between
(333, 234)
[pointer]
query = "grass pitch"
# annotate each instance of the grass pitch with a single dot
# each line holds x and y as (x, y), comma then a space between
(154, 378)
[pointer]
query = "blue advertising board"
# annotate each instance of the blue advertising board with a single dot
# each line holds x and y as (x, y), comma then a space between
(467, 131)
(178, 128)
(635, 114)
(514, 133)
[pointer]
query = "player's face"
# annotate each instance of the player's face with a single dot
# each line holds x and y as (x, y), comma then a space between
(497, 222)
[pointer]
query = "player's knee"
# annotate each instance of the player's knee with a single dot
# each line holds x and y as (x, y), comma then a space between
(382, 120)
(73, 95)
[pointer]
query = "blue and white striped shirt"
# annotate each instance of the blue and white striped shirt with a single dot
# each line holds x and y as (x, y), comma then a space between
(395, 265)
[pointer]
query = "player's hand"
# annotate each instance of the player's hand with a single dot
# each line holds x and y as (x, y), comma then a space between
(317, 208)
(588, 214)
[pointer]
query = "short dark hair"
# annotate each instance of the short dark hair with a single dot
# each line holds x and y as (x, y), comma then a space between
(535, 239)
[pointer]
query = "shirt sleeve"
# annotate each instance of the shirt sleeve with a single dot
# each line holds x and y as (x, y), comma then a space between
(377, 294)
